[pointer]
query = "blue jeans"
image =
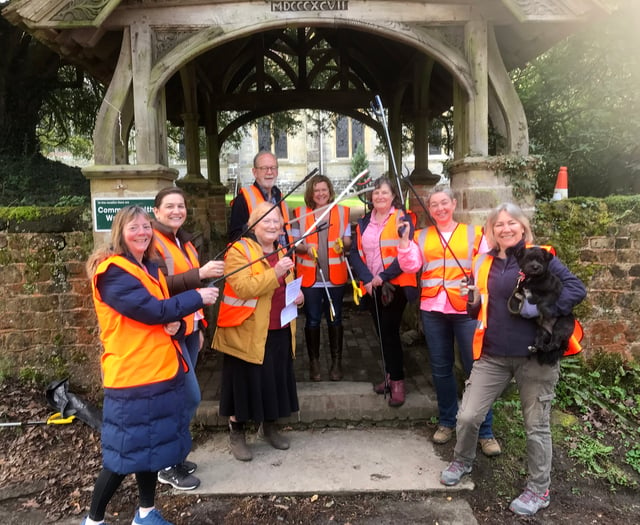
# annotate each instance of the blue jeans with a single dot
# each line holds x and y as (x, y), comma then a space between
(190, 349)
(440, 331)
(316, 304)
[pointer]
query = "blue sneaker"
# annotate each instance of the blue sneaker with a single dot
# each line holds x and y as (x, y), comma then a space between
(528, 503)
(153, 518)
(454, 472)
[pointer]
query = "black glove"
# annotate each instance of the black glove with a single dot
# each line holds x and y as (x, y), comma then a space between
(387, 293)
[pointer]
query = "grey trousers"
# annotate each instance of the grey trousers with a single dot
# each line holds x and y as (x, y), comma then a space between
(536, 383)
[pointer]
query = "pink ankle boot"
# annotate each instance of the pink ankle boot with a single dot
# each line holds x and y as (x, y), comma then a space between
(397, 393)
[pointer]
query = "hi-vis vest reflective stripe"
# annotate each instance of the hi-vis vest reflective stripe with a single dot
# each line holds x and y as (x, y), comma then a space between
(389, 249)
(177, 262)
(305, 264)
(233, 310)
(135, 353)
(253, 196)
(441, 269)
(481, 268)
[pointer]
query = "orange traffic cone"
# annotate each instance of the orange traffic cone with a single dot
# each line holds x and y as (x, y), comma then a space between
(561, 190)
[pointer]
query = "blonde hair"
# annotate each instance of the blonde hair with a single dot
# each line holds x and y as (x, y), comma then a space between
(118, 245)
(514, 211)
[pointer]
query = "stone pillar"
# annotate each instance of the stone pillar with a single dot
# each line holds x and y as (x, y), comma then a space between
(212, 145)
(471, 115)
(145, 110)
(478, 114)
(192, 145)
(481, 183)
(422, 80)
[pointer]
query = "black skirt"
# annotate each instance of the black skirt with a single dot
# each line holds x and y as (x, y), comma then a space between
(266, 392)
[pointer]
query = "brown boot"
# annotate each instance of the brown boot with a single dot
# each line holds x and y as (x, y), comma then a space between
(238, 442)
(397, 393)
(336, 334)
(269, 432)
(312, 337)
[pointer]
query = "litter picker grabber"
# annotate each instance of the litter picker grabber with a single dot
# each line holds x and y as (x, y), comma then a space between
(378, 111)
(320, 208)
(69, 404)
(327, 210)
(332, 310)
(282, 199)
(357, 292)
(379, 331)
(287, 247)
(53, 419)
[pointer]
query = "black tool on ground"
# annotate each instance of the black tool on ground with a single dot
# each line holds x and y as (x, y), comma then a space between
(378, 327)
(282, 199)
(69, 404)
(378, 110)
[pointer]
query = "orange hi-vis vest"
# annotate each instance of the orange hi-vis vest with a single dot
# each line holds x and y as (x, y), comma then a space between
(253, 196)
(441, 270)
(389, 249)
(305, 264)
(233, 310)
(481, 267)
(135, 353)
(178, 262)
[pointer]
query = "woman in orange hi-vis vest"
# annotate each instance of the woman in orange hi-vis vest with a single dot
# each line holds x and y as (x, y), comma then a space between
(443, 253)
(258, 383)
(180, 264)
(322, 265)
(145, 424)
(388, 287)
(501, 350)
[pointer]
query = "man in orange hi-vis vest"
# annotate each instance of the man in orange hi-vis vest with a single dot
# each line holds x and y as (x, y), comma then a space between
(265, 172)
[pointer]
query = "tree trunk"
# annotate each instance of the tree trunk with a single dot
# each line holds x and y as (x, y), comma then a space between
(28, 73)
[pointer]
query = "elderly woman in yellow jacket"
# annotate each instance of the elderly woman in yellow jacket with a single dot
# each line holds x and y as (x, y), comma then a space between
(258, 381)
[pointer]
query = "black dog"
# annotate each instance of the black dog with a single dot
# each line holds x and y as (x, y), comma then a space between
(542, 288)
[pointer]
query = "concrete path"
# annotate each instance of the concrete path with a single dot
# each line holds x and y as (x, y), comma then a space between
(325, 461)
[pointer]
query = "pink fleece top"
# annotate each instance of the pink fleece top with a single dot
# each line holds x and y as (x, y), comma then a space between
(371, 242)
(410, 260)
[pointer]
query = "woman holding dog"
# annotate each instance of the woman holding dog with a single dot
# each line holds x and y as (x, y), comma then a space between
(443, 253)
(501, 349)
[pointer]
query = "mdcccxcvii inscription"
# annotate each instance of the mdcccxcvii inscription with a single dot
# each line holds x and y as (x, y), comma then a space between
(282, 6)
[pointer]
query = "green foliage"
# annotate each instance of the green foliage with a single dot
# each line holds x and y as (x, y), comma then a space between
(38, 181)
(605, 391)
(579, 98)
(359, 161)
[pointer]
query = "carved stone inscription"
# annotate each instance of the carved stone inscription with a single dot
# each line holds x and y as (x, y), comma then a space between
(281, 6)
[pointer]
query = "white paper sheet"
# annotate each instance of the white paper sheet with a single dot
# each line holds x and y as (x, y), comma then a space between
(290, 310)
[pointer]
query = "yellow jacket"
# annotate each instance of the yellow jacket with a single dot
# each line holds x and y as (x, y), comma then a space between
(247, 340)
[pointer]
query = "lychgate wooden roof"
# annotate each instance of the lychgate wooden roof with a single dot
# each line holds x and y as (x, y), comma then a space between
(324, 65)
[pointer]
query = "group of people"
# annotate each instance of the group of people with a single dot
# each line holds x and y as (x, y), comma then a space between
(148, 289)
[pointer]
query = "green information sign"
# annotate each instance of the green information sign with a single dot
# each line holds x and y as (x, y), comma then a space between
(104, 210)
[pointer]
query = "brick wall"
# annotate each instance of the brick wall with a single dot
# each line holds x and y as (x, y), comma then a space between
(614, 292)
(47, 322)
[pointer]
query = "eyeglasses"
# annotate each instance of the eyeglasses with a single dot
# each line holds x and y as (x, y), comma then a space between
(267, 168)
